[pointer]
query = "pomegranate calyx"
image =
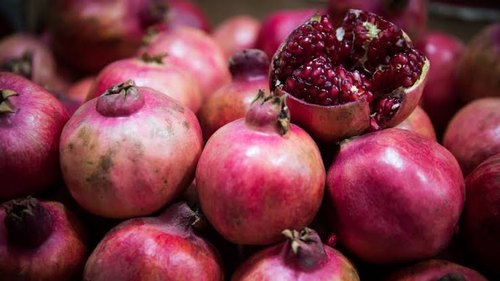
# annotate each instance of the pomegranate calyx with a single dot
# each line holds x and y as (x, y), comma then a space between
(158, 58)
(22, 65)
(304, 248)
(182, 217)
(452, 276)
(123, 99)
(269, 109)
(28, 223)
(5, 105)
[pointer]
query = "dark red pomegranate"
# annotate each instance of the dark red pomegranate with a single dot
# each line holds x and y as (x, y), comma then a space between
(481, 219)
(155, 248)
(40, 240)
(31, 121)
(420, 123)
(439, 270)
(301, 257)
(259, 175)
(277, 25)
(394, 196)
(237, 33)
(129, 152)
(249, 71)
(150, 70)
(409, 15)
(440, 98)
(344, 79)
(473, 133)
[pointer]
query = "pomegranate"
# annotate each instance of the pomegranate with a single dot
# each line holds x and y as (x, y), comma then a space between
(395, 196)
(249, 69)
(409, 15)
(178, 13)
(129, 152)
(301, 257)
(420, 123)
(479, 67)
(40, 240)
(237, 33)
(259, 175)
(440, 96)
(31, 121)
(342, 80)
(79, 90)
(481, 219)
(150, 71)
(473, 133)
(155, 248)
(439, 270)
(277, 25)
(194, 51)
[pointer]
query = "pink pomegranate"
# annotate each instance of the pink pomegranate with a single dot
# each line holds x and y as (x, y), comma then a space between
(440, 98)
(259, 175)
(439, 270)
(395, 196)
(301, 257)
(155, 248)
(344, 79)
(249, 70)
(31, 121)
(237, 33)
(277, 25)
(194, 51)
(473, 133)
(419, 122)
(481, 219)
(129, 152)
(150, 71)
(479, 67)
(409, 15)
(40, 240)
(79, 90)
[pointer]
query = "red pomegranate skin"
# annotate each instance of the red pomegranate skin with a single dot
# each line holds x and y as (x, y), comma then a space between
(419, 122)
(237, 33)
(474, 133)
(395, 196)
(29, 158)
(195, 52)
(154, 248)
(163, 77)
(481, 222)
(435, 269)
(132, 165)
(79, 90)
(60, 257)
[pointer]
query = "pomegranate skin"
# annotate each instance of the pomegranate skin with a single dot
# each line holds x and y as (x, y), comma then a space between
(150, 72)
(253, 182)
(237, 33)
(29, 138)
(155, 248)
(481, 223)
(60, 257)
(79, 90)
(394, 196)
(186, 13)
(419, 122)
(120, 164)
(436, 270)
(472, 134)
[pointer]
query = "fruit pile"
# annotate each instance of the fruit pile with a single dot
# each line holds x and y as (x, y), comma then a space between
(347, 142)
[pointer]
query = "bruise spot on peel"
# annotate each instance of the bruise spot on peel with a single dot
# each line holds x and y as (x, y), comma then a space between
(71, 147)
(178, 107)
(84, 135)
(100, 177)
(185, 124)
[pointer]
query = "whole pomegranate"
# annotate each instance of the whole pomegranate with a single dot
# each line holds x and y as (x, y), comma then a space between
(277, 25)
(419, 122)
(479, 67)
(237, 33)
(301, 257)
(155, 248)
(40, 240)
(259, 175)
(481, 220)
(129, 152)
(440, 97)
(195, 52)
(473, 133)
(434, 269)
(344, 79)
(410, 15)
(249, 71)
(150, 71)
(394, 196)
(31, 121)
